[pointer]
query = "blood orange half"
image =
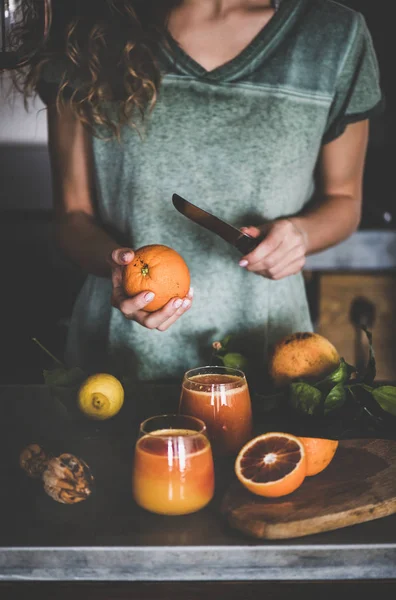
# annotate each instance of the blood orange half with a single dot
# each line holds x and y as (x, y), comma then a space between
(272, 464)
(319, 452)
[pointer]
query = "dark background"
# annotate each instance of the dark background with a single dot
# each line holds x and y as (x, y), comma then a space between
(38, 286)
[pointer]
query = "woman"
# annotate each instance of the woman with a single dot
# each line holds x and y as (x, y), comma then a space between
(255, 111)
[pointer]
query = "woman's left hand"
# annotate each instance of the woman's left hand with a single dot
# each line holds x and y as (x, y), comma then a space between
(281, 253)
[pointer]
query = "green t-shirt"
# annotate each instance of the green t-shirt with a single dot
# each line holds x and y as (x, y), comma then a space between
(241, 141)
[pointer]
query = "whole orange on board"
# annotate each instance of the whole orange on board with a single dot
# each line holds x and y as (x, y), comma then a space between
(159, 269)
(319, 452)
(302, 355)
(272, 464)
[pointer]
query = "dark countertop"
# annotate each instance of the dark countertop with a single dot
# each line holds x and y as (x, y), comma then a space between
(108, 538)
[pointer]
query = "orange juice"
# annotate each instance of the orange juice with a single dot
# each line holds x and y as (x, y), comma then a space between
(222, 401)
(173, 471)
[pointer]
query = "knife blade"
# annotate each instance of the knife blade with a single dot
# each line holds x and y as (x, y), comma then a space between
(244, 243)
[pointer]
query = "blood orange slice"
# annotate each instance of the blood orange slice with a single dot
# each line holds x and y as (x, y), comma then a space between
(272, 464)
(319, 452)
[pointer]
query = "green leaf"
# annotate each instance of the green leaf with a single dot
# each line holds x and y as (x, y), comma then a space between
(339, 375)
(353, 406)
(334, 399)
(62, 377)
(234, 360)
(372, 412)
(305, 398)
(386, 398)
(371, 370)
(368, 388)
(225, 341)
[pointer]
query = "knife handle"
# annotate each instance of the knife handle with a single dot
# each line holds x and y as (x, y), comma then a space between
(246, 244)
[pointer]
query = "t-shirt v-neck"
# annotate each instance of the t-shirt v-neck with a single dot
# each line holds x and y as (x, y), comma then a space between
(242, 142)
(260, 47)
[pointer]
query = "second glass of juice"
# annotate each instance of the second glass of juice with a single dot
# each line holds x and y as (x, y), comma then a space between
(173, 471)
(220, 397)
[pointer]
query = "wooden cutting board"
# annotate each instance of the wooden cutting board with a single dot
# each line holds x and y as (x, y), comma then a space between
(359, 485)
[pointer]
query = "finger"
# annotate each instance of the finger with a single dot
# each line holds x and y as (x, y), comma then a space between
(282, 234)
(291, 269)
(252, 231)
(131, 306)
(187, 303)
(290, 257)
(286, 252)
(268, 245)
(118, 294)
(118, 258)
(122, 256)
(155, 319)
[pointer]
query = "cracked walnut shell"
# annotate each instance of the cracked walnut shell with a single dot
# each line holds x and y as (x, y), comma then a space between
(33, 459)
(68, 479)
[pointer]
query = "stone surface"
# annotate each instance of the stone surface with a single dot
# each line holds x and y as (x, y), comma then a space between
(111, 539)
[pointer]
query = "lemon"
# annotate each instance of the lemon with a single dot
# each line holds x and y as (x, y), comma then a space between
(100, 396)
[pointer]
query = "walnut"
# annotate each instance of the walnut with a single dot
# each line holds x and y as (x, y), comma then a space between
(68, 479)
(33, 459)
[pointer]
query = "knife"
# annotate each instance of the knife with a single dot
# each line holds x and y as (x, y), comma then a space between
(244, 243)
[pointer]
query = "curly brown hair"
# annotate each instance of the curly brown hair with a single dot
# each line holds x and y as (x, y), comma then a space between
(105, 51)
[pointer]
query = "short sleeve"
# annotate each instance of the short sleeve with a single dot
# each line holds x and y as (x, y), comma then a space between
(358, 93)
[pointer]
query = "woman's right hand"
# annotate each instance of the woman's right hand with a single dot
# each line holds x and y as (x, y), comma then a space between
(133, 308)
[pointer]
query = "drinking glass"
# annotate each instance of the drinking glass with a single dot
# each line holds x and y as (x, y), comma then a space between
(173, 471)
(220, 397)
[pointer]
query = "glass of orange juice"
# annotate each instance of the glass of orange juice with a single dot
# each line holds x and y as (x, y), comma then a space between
(220, 397)
(173, 471)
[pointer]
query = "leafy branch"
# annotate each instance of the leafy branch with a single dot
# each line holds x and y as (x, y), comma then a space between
(222, 353)
(60, 375)
(346, 398)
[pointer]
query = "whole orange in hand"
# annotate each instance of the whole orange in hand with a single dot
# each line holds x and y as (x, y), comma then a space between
(319, 452)
(157, 269)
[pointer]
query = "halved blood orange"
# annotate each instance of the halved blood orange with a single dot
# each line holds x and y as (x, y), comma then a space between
(272, 464)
